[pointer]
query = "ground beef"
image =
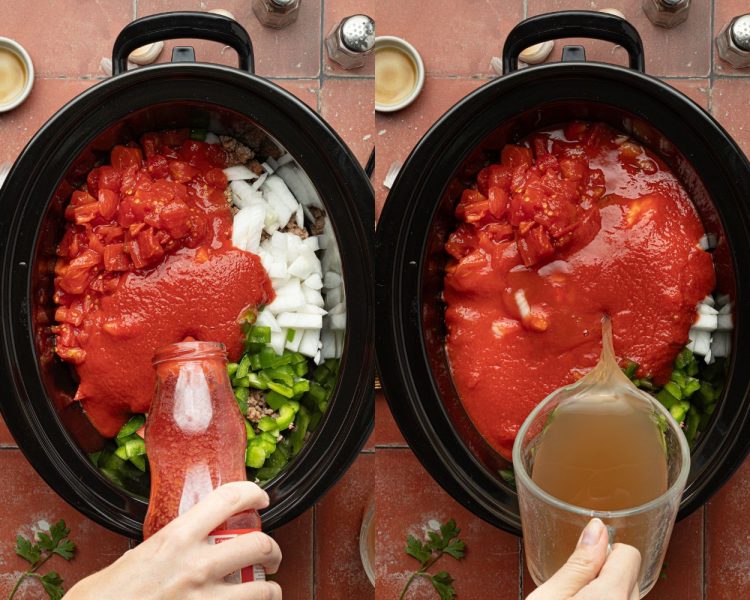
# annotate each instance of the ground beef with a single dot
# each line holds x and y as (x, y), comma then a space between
(237, 153)
(292, 227)
(320, 220)
(257, 407)
(255, 167)
(268, 148)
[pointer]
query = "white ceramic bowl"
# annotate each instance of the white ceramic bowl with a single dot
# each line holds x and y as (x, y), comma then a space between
(19, 51)
(390, 41)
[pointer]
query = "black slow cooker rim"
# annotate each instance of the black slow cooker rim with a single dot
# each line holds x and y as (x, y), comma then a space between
(326, 159)
(399, 274)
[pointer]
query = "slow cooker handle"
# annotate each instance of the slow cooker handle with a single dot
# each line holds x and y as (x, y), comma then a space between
(181, 25)
(568, 24)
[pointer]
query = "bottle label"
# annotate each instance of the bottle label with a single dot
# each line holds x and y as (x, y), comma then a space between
(247, 574)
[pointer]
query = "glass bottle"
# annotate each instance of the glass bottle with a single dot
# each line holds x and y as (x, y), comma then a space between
(195, 440)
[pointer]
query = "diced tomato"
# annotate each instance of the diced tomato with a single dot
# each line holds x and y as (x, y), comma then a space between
(174, 219)
(150, 248)
(157, 166)
(109, 233)
(72, 355)
(115, 258)
(498, 201)
(575, 130)
(494, 176)
(216, 155)
(534, 246)
(85, 213)
(124, 157)
(107, 203)
(71, 315)
(496, 232)
(181, 171)
(460, 241)
(515, 156)
(572, 168)
(216, 178)
(109, 179)
(150, 143)
(129, 180)
(174, 137)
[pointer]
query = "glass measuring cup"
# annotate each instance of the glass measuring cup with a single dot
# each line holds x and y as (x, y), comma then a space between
(551, 526)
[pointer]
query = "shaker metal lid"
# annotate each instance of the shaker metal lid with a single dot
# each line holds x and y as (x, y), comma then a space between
(358, 33)
(741, 32)
(283, 2)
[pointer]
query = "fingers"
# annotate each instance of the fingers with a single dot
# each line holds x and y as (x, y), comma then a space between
(582, 566)
(257, 590)
(249, 549)
(618, 577)
(225, 501)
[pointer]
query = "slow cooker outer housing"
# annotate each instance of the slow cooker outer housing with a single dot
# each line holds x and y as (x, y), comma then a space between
(418, 216)
(160, 95)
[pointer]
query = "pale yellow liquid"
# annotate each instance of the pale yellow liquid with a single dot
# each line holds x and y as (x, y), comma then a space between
(12, 76)
(395, 75)
(602, 461)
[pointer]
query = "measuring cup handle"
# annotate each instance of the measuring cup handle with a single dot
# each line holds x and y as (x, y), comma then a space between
(181, 25)
(573, 23)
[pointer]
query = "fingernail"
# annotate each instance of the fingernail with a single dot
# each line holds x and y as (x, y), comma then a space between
(591, 533)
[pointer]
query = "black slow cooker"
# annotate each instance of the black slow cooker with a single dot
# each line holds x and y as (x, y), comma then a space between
(54, 436)
(418, 217)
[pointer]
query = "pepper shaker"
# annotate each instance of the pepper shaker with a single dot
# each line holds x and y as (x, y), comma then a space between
(351, 41)
(276, 13)
(733, 43)
(666, 13)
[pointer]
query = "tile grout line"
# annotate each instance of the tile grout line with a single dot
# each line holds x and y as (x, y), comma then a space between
(135, 9)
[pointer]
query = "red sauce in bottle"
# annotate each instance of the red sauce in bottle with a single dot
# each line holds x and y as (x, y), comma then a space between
(195, 439)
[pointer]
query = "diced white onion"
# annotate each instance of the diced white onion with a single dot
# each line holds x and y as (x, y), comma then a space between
(724, 322)
(239, 172)
(313, 297)
(705, 323)
(313, 282)
(293, 344)
(283, 159)
(709, 300)
(700, 341)
(266, 319)
(522, 303)
(311, 243)
(212, 138)
(259, 182)
(721, 344)
(337, 321)
(278, 341)
(309, 343)
(705, 309)
(268, 169)
(331, 280)
(297, 320)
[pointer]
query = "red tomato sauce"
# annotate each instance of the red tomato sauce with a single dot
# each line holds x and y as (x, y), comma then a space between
(147, 260)
(579, 221)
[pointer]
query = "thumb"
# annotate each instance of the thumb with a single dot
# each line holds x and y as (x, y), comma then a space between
(583, 565)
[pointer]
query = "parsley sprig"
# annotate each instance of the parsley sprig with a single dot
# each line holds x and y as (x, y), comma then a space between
(438, 543)
(54, 543)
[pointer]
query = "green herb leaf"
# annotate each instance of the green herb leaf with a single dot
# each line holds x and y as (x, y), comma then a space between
(49, 544)
(443, 584)
(439, 542)
(52, 583)
(26, 550)
(417, 549)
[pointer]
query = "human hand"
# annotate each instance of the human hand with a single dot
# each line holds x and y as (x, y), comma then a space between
(177, 562)
(591, 574)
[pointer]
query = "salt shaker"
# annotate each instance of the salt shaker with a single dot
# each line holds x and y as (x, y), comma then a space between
(733, 42)
(351, 41)
(666, 13)
(276, 13)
